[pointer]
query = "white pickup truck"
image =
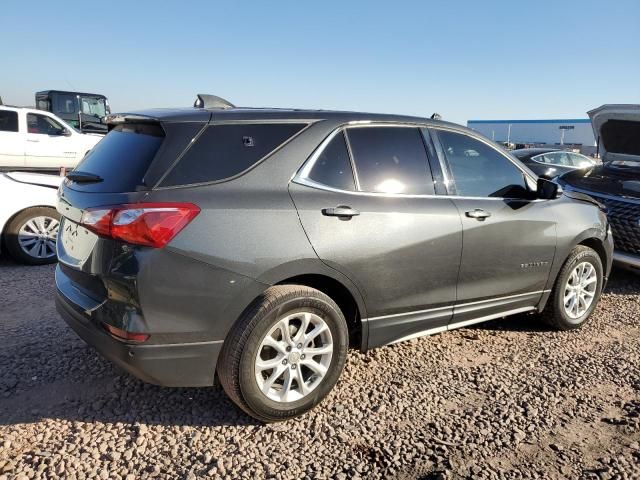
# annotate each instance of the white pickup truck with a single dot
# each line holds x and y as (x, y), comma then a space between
(33, 139)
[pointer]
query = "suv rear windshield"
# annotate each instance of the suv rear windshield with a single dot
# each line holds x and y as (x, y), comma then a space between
(224, 151)
(121, 158)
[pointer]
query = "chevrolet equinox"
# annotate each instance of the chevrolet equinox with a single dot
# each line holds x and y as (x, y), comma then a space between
(260, 244)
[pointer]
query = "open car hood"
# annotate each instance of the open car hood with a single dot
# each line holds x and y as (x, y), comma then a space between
(618, 129)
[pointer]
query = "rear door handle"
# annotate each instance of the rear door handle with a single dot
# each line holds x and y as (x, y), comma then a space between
(341, 211)
(478, 214)
(33, 141)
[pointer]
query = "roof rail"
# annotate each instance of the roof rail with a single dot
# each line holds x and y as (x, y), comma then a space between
(211, 101)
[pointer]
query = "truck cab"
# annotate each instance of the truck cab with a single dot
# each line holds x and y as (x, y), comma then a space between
(33, 139)
(84, 111)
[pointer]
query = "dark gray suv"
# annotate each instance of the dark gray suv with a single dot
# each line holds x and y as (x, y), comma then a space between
(260, 244)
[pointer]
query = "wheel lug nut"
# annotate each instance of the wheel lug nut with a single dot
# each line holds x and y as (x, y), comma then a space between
(293, 366)
(288, 349)
(302, 356)
(299, 345)
(284, 362)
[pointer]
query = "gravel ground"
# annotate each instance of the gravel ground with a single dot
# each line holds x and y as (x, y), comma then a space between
(508, 399)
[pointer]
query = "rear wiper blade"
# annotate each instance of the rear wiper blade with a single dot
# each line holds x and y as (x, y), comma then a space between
(84, 177)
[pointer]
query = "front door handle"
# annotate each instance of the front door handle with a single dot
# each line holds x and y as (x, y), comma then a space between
(33, 141)
(478, 214)
(341, 211)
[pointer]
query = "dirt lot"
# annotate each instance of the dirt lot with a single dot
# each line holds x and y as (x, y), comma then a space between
(508, 399)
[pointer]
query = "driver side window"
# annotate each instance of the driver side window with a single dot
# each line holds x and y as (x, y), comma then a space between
(479, 170)
(43, 125)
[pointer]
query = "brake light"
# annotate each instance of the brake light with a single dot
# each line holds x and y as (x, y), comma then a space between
(149, 224)
(125, 336)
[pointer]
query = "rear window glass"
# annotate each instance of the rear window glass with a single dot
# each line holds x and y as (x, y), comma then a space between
(121, 158)
(223, 151)
(8, 121)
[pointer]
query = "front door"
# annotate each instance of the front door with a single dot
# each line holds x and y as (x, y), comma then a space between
(380, 225)
(47, 146)
(509, 236)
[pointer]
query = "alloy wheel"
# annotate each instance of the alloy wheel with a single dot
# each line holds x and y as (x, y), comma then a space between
(580, 290)
(294, 356)
(37, 237)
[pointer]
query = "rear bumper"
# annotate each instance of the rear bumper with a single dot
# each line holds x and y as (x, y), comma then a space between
(171, 365)
(626, 259)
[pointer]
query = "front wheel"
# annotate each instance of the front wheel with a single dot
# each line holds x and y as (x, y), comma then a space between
(285, 353)
(576, 291)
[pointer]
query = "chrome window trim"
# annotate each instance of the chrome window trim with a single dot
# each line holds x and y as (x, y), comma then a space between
(301, 177)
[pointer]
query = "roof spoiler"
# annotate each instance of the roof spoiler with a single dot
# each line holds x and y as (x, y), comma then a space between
(119, 118)
(204, 100)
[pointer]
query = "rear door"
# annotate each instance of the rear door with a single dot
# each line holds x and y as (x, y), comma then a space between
(509, 236)
(11, 139)
(366, 201)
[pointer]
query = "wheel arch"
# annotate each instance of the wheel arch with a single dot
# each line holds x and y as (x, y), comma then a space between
(315, 274)
(340, 294)
(591, 238)
(596, 244)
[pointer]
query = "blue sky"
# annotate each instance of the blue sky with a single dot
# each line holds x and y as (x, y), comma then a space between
(463, 59)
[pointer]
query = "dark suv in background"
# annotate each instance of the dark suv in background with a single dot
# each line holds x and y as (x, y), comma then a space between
(616, 183)
(261, 243)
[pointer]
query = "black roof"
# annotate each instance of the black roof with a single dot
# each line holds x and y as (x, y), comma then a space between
(47, 92)
(192, 114)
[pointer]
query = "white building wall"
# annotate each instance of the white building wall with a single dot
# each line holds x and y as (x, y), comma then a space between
(536, 131)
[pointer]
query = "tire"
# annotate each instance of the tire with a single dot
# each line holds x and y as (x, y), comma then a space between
(42, 224)
(560, 315)
(243, 374)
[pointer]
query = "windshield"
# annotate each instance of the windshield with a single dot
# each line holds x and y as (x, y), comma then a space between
(94, 106)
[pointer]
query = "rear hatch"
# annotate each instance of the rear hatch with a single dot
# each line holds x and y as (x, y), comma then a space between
(617, 128)
(120, 170)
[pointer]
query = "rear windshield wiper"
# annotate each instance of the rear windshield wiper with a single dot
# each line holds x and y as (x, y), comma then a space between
(84, 177)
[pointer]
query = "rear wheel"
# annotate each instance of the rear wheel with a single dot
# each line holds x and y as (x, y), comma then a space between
(576, 291)
(285, 353)
(31, 235)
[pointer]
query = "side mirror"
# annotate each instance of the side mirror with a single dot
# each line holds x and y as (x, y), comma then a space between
(64, 132)
(548, 190)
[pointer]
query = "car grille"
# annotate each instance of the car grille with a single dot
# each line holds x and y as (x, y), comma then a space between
(623, 217)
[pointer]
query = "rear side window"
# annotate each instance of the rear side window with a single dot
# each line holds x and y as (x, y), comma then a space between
(223, 151)
(333, 166)
(8, 121)
(391, 160)
(122, 158)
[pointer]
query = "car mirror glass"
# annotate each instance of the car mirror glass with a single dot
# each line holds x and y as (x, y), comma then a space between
(548, 190)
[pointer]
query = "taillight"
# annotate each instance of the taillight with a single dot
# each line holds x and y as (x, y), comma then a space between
(149, 224)
(125, 336)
